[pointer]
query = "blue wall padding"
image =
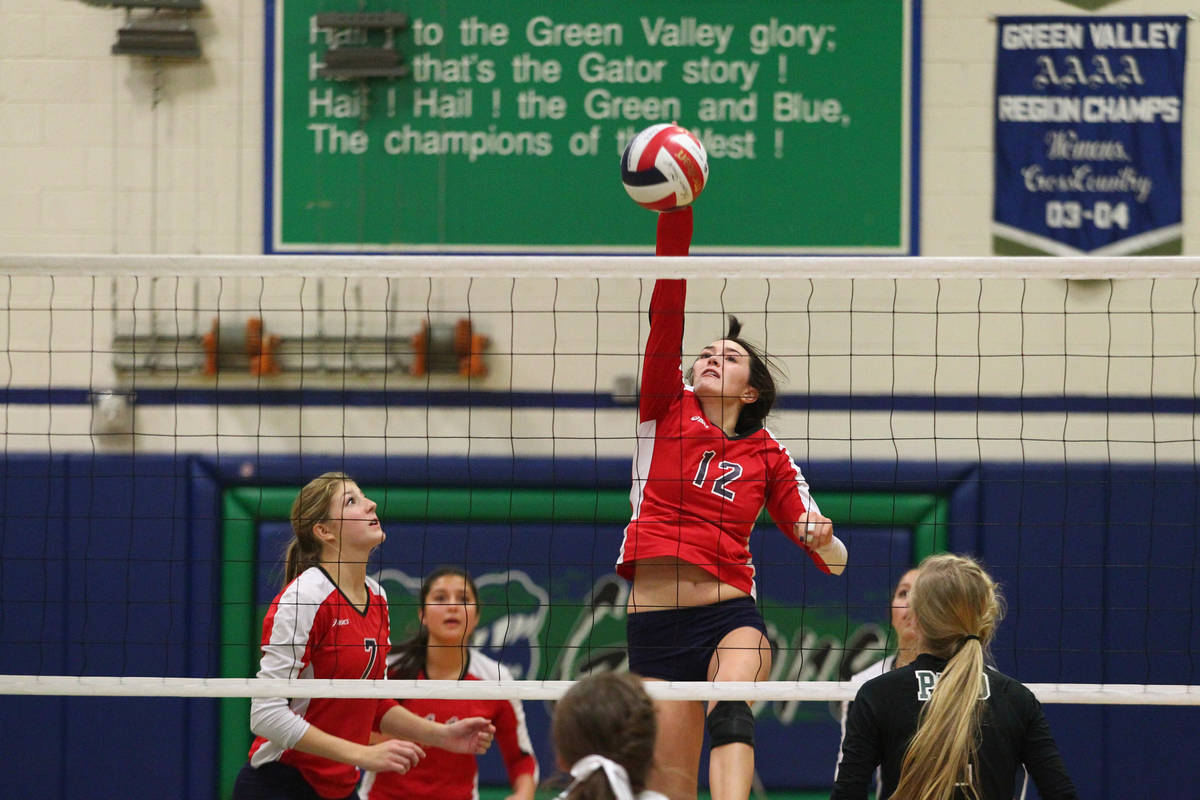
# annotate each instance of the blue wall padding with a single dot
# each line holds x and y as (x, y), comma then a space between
(105, 569)
(110, 565)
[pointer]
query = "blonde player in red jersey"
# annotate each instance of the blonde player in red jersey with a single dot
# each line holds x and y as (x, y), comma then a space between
(704, 468)
(448, 611)
(331, 621)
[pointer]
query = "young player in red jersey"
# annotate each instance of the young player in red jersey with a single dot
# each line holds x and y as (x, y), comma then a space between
(331, 621)
(449, 611)
(704, 467)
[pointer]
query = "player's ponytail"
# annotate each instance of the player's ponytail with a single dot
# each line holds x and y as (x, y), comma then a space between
(956, 606)
(310, 507)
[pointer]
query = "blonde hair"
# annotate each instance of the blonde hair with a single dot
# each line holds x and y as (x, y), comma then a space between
(310, 507)
(956, 606)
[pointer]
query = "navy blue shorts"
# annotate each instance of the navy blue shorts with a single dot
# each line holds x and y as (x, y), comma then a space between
(677, 644)
(275, 781)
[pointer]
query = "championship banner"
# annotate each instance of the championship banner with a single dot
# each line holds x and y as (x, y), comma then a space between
(1089, 133)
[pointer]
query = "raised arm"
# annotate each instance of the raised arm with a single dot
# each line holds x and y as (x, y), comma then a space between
(674, 232)
(662, 378)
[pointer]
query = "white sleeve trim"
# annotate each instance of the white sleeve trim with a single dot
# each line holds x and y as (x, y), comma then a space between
(274, 718)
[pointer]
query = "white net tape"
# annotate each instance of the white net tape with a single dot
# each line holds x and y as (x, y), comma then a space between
(612, 266)
(816, 691)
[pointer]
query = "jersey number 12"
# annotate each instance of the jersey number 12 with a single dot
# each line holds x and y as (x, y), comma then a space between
(732, 473)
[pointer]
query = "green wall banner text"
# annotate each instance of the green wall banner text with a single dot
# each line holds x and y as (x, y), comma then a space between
(506, 133)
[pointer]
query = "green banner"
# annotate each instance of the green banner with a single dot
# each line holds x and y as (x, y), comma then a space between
(506, 133)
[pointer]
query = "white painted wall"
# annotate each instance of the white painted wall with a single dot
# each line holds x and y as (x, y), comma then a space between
(104, 154)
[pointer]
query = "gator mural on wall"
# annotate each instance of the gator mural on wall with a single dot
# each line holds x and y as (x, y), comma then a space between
(552, 607)
(517, 629)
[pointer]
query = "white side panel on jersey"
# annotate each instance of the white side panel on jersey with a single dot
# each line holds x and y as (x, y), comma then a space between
(643, 455)
(801, 482)
(272, 717)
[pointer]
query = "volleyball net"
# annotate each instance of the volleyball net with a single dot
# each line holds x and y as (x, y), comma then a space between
(160, 413)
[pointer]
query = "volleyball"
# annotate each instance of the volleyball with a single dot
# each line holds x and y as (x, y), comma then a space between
(664, 167)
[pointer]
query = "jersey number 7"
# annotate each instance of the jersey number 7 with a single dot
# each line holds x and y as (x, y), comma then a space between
(372, 653)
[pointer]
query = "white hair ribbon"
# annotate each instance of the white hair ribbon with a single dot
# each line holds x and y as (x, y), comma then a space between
(617, 777)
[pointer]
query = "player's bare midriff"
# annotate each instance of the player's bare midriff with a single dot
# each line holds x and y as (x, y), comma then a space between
(665, 582)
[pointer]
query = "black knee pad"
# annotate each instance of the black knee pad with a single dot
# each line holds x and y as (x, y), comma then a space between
(730, 721)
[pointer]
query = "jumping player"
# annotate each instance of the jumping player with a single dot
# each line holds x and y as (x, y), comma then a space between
(947, 725)
(704, 467)
(448, 611)
(331, 621)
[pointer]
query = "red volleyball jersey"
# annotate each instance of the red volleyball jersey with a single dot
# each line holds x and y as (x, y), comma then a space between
(443, 775)
(313, 631)
(696, 492)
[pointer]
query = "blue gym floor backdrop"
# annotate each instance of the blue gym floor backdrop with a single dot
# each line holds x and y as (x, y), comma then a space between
(122, 565)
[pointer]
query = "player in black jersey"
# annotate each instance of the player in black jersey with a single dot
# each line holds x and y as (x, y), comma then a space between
(947, 725)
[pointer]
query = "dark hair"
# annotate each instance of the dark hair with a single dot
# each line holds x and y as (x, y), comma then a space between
(607, 714)
(762, 377)
(411, 654)
(310, 507)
